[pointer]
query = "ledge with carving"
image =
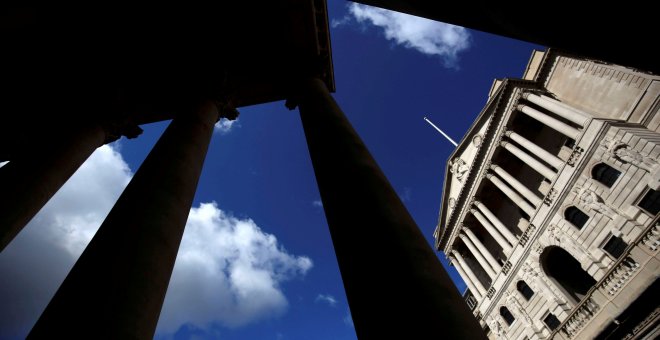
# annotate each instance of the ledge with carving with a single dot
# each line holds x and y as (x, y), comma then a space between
(620, 274)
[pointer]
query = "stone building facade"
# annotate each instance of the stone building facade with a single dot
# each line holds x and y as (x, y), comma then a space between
(550, 204)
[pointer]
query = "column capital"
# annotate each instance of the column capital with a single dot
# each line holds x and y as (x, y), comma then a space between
(525, 95)
(508, 132)
(521, 107)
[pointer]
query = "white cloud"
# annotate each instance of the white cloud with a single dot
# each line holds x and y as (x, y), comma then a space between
(224, 125)
(228, 271)
(348, 319)
(36, 262)
(327, 298)
(424, 35)
(317, 203)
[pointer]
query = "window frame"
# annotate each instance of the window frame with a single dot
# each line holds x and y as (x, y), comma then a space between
(547, 315)
(586, 222)
(607, 240)
(504, 318)
(645, 192)
(521, 291)
(616, 181)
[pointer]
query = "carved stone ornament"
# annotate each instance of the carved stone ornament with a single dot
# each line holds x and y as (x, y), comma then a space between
(575, 156)
(589, 199)
(627, 154)
(452, 203)
(458, 167)
(477, 140)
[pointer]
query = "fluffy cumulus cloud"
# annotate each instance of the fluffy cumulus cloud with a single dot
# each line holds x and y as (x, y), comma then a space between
(224, 125)
(228, 271)
(424, 35)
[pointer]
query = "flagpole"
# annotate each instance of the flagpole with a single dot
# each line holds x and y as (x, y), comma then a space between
(444, 134)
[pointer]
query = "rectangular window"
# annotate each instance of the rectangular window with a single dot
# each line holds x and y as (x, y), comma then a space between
(615, 246)
(650, 202)
(551, 321)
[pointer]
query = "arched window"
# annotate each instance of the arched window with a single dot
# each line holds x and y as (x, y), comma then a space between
(576, 217)
(506, 315)
(524, 289)
(605, 174)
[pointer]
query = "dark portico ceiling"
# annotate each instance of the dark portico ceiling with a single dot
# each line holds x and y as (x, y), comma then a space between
(61, 65)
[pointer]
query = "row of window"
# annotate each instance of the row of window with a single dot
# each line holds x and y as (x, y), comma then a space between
(607, 176)
(550, 320)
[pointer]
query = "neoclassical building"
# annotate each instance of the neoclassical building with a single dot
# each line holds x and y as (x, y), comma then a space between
(550, 205)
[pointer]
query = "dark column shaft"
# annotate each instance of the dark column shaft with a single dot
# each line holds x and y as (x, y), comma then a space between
(28, 182)
(394, 282)
(117, 287)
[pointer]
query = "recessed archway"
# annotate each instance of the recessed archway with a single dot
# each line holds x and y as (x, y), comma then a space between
(565, 271)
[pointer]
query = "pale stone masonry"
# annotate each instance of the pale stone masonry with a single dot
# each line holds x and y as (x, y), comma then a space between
(550, 205)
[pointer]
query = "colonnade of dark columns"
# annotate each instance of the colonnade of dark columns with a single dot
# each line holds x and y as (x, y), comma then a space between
(394, 282)
(117, 287)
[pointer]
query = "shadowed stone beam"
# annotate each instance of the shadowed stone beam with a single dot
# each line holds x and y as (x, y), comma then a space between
(394, 281)
(117, 286)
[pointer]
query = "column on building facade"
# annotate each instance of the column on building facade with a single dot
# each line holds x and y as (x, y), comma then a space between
(561, 109)
(491, 260)
(549, 121)
(477, 293)
(511, 194)
(534, 149)
(365, 216)
(529, 160)
(496, 222)
(479, 257)
(118, 284)
(501, 240)
(521, 188)
(470, 274)
(30, 180)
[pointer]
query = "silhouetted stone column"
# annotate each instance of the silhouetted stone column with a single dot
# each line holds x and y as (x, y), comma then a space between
(394, 282)
(28, 182)
(117, 287)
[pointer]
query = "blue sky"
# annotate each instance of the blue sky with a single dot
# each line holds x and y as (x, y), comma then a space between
(257, 260)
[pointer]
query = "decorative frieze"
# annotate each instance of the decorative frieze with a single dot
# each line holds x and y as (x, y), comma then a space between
(491, 292)
(524, 238)
(575, 156)
(506, 268)
(551, 196)
(625, 153)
